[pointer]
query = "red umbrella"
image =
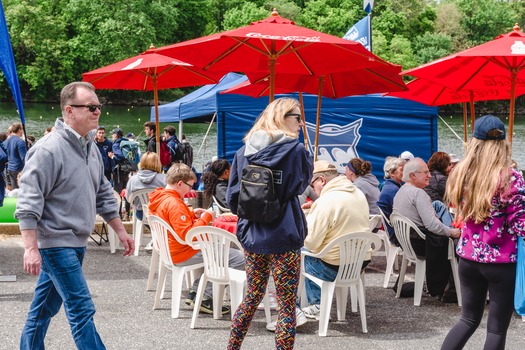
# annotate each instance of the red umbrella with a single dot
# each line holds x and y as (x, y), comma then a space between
(149, 71)
(433, 94)
(497, 64)
(333, 85)
(273, 46)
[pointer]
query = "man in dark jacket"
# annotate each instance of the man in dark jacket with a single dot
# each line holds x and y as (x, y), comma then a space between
(150, 129)
(106, 150)
(16, 152)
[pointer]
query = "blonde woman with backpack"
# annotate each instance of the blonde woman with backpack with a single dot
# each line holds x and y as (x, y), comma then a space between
(274, 246)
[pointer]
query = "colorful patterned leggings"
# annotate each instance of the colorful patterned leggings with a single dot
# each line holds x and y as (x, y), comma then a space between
(285, 269)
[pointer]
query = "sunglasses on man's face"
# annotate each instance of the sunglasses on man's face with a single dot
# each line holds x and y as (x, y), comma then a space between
(91, 108)
(296, 115)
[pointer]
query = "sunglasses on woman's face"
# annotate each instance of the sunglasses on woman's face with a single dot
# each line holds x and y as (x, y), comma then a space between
(296, 115)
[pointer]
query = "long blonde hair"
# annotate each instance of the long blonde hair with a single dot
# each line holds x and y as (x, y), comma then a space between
(484, 172)
(271, 119)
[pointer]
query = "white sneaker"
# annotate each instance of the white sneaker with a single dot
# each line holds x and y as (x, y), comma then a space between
(300, 319)
(149, 246)
(312, 311)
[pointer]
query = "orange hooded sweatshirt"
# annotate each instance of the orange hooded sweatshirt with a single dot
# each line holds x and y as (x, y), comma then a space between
(167, 204)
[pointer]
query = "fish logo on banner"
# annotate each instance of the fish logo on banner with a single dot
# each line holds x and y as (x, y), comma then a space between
(337, 143)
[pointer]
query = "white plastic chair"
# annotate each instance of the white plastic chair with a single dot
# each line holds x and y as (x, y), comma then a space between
(138, 225)
(161, 230)
(402, 226)
(391, 250)
(214, 244)
(353, 248)
(114, 242)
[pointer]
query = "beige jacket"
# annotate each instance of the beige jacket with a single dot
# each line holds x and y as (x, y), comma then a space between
(341, 208)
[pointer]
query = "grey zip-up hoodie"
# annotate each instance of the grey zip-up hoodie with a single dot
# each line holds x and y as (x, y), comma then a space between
(62, 188)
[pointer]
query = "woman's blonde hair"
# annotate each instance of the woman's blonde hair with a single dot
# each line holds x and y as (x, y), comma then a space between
(271, 119)
(150, 161)
(484, 172)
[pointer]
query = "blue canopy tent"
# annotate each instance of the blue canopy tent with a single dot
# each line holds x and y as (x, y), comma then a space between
(368, 126)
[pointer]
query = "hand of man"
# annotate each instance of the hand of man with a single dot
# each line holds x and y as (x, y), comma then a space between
(32, 261)
(128, 242)
(32, 258)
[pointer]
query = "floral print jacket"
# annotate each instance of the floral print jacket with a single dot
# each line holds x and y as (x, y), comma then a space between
(495, 239)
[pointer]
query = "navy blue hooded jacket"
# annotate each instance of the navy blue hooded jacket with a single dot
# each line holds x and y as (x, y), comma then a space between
(287, 233)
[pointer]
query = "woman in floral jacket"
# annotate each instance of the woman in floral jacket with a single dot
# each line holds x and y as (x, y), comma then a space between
(490, 198)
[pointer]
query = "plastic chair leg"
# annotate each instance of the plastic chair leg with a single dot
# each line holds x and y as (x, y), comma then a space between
(198, 300)
(113, 240)
(137, 233)
(218, 292)
(390, 262)
(353, 298)
(362, 306)
(153, 267)
(420, 279)
(341, 298)
(176, 291)
(402, 272)
(160, 287)
(327, 294)
(267, 310)
(236, 295)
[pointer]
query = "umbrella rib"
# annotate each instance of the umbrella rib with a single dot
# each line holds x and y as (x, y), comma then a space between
(402, 86)
(227, 52)
(473, 75)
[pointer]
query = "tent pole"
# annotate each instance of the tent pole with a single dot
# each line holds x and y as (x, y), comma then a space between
(205, 138)
(157, 124)
(301, 102)
(318, 117)
(472, 112)
(512, 104)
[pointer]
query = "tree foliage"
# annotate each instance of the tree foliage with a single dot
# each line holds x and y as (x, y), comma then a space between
(55, 41)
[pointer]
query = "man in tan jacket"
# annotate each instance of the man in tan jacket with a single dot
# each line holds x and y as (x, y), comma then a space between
(341, 208)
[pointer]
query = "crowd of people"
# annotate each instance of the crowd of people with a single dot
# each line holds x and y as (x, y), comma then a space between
(57, 205)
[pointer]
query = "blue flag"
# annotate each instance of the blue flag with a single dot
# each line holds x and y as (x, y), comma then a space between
(360, 32)
(7, 64)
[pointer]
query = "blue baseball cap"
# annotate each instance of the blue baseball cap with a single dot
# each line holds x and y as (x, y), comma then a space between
(489, 127)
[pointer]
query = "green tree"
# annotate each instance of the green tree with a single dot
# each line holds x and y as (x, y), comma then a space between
(243, 16)
(429, 47)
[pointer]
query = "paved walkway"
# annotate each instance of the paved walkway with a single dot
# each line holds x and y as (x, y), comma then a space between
(125, 318)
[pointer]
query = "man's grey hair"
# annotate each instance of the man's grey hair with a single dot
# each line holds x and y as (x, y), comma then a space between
(69, 92)
(391, 164)
(412, 166)
(328, 175)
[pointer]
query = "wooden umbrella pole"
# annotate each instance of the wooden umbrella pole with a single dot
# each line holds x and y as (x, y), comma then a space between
(472, 113)
(465, 136)
(512, 103)
(157, 124)
(301, 102)
(318, 117)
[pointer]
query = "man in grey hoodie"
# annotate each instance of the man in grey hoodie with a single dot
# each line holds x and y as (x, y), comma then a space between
(62, 188)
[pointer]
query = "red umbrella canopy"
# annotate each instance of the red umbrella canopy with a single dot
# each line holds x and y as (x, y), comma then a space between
(497, 64)
(253, 90)
(273, 46)
(433, 94)
(140, 72)
(339, 84)
(149, 71)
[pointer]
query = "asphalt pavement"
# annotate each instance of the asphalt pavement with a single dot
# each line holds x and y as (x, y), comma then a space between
(126, 320)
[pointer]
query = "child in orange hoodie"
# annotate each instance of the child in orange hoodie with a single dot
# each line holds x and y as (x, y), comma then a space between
(168, 204)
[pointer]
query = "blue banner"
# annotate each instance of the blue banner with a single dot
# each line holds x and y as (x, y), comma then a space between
(7, 64)
(360, 32)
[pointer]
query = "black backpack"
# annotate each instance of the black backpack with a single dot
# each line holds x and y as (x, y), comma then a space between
(258, 200)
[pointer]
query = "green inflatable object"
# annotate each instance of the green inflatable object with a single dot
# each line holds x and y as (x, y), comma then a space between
(7, 212)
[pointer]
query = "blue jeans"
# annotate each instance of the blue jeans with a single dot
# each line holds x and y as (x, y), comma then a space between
(61, 281)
